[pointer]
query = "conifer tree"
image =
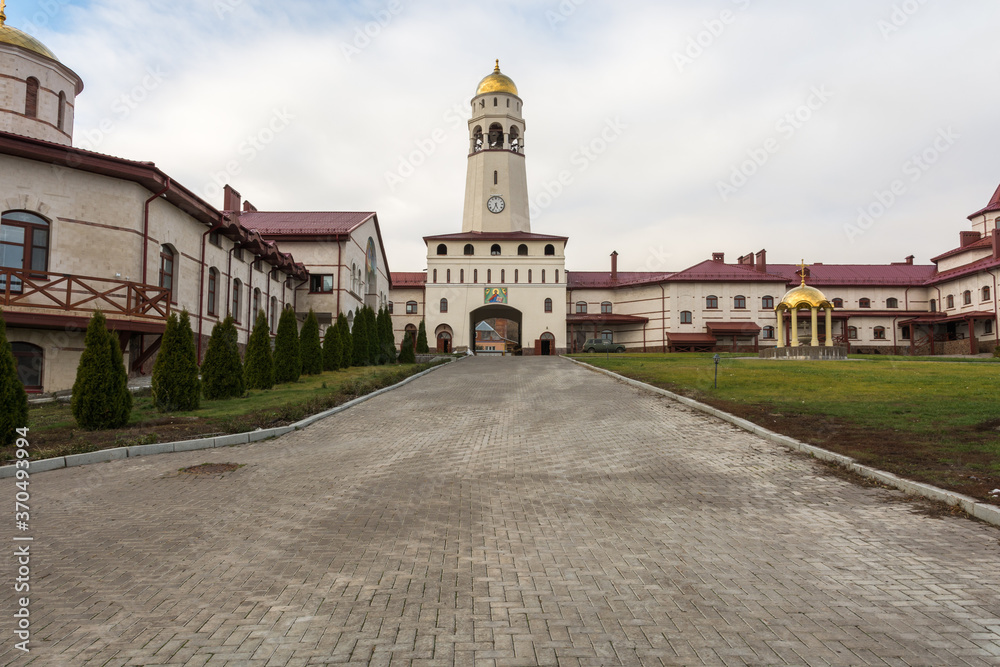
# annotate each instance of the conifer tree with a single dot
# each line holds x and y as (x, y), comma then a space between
(310, 349)
(374, 349)
(258, 363)
(287, 357)
(422, 339)
(387, 343)
(176, 387)
(222, 370)
(13, 398)
(359, 339)
(332, 347)
(346, 343)
(406, 355)
(100, 392)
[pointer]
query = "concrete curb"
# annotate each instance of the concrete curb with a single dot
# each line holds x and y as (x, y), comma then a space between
(983, 511)
(105, 455)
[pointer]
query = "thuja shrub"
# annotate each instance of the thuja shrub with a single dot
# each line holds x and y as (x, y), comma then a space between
(287, 358)
(310, 349)
(101, 399)
(176, 387)
(13, 398)
(332, 348)
(422, 339)
(258, 364)
(222, 370)
(406, 355)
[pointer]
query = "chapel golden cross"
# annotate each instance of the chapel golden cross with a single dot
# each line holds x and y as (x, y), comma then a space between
(802, 267)
(3, 5)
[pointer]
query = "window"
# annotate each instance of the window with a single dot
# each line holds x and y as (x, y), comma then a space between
(550, 250)
(447, 276)
(475, 275)
(237, 295)
(31, 97)
(543, 275)
(879, 333)
(852, 333)
(258, 264)
(494, 177)
(516, 275)
(712, 302)
(489, 275)
(685, 317)
(256, 303)
(988, 326)
(321, 283)
(933, 306)
(548, 305)
(444, 305)
(238, 254)
(904, 332)
(215, 238)
(442, 249)
(529, 275)
(461, 275)
(767, 302)
(557, 275)
(986, 294)
(30, 359)
(522, 250)
(213, 291)
(891, 303)
(966, 297)
(167, 266)
(605, 308)
(740, 302)
(951, 301)
(838, 303)
(24, 244)
(469, 249)
(61, 121)
(503, 275)
(495, 249)
(274, 314)
(581, 307)
(607, 336)
(411, 307)
(864, 302)
(390, 307)
(768, 333)
(435, 275)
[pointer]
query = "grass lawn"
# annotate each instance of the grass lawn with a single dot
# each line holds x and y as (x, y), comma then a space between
(930, 419)
(54, 431)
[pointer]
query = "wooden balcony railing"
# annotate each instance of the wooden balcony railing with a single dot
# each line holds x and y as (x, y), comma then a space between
(60, 291)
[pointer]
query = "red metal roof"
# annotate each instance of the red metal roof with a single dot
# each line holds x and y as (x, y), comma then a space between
(730, 328)
(994, 205)
(690, 337)
(941, 318)
(602, 279)
(712, 271)
(986, 242)
(409, 279)
(857, 274)
(304, 223)
(974, 267)
(495, 236)
(605, 318)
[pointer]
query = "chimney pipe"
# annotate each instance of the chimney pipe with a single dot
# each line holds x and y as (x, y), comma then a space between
(909, 259)
(614, 266)
(762, 261)
(719, 257)
(230, 199)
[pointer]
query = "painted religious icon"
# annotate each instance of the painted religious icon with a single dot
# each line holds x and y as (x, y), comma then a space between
(496, 294)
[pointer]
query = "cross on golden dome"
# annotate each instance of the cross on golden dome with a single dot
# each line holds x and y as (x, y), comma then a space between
(802, 271)
(3, 16)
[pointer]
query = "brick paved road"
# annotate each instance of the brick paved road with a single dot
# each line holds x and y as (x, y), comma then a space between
(507, 512)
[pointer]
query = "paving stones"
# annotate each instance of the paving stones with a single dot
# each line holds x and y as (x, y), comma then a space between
(500, 511)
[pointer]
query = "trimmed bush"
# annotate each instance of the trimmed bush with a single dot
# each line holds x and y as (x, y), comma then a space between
(13, 398)
(101, 399)
(287, 358)
(422, 339)
(222, 370)
(387, 341)
(374, 351)
(258, 364)
(406, 355)
(332, 348)
(346, 343)
(359, 339)
(175, 374)
(310, 349)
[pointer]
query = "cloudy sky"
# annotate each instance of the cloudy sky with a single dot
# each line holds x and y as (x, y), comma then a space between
(859, 131)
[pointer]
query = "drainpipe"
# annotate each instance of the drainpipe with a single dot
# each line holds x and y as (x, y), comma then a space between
(268, 309)
(229, 282)
(251, 316)
(663, 316)
(340, 276)
(145, 228)
(996, 330)
(201, 282)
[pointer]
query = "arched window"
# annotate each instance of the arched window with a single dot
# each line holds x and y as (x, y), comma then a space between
(550, 250)
(548, 305)
(390, 307)
(469, 249)
(461, 275)
(515, 141)
(237, 296)
(411, 307)
(768, 333)
(496, 135)
(966, 297)
(274, 314)
(767, 302)
(494, 101)
(685, 317)
(892, 302)
(879, 333)
(522, 250)
(951, 301)
(557, 276)
(503, 275)
(444, 305)
(852, 333)
(256, 303)
(447, 276)
(711, 302)
(434, 276)
(213, 291)
(477, 137)
(30, 359)
(986, 294)
(605, 308)
(516, 275)
(495, 249)
(739, 302)
(489, 275)
(607, 335)
(31, 97)
(442, 249)
(543, 275)
(581, 307)
(61, 122)
(529, 275)
(864, 302)
(838, 303)
(933, 305)
(412, 330)
(475, 275)
(24, 244)
(168, 271)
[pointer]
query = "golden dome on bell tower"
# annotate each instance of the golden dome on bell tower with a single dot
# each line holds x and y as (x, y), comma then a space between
(496, 83)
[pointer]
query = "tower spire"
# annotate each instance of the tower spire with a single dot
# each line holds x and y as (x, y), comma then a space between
(496, 70)
(3, 16)
(802, 271)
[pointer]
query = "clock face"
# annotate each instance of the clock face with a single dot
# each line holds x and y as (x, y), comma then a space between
(495, 204)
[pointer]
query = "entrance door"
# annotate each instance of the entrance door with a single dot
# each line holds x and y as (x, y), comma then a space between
(548, 344)
(444, 342)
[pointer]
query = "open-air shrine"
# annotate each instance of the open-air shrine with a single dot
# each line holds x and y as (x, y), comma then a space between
(797, 299)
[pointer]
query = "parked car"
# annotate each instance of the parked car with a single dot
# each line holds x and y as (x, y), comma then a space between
(601, 345)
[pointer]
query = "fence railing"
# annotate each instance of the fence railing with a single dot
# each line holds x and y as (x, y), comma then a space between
(66, 292)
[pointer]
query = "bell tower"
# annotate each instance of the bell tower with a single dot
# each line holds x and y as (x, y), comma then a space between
(496, 184)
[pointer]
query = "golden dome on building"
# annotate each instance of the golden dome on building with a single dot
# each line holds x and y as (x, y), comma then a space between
(804, 295)
(496, 83)
(16, 37)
